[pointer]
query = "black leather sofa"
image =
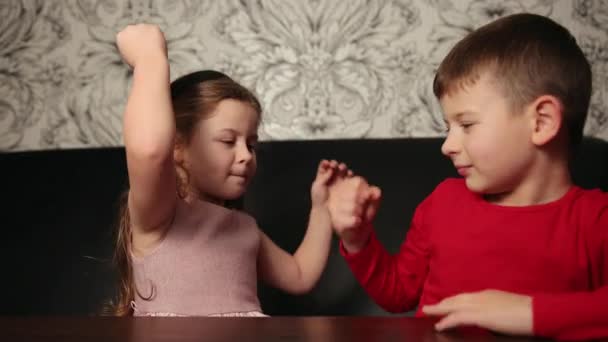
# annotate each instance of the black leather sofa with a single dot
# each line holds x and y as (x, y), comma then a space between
(59, 208)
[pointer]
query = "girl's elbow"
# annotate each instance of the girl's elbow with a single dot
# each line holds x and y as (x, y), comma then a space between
(300, 287)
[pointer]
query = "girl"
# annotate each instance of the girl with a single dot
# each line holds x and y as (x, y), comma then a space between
(190, 148)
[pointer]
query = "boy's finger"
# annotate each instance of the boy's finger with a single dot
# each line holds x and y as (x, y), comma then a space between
(350, 222)
(450, 304)
(361, 190)
(375, 193)
(456, 319)
(435, 310)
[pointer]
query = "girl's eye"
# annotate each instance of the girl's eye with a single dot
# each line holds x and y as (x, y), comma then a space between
(228, 142)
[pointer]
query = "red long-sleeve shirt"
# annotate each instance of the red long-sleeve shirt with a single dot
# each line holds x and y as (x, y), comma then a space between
(457, 242)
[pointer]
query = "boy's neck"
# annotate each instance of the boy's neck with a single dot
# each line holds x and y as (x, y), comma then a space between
(546, 182)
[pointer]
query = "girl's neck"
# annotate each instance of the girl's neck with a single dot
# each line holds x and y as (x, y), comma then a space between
(194, 195)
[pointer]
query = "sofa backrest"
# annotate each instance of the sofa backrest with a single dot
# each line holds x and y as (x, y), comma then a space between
(59, 209)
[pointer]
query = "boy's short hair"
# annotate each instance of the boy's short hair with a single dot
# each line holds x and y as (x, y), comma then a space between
(528, 55)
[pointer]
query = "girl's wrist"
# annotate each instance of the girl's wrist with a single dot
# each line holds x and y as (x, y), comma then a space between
(154, 62)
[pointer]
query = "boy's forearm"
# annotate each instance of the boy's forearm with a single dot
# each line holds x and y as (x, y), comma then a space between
(378, 272)
(311, 255)
(577, 315)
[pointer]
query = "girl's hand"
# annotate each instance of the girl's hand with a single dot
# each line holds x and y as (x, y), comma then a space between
(327, 173)
(140, 42)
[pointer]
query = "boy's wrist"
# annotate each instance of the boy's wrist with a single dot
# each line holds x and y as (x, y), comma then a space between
(354, 244)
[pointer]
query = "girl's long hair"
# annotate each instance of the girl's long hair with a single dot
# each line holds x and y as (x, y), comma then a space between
(194, 96)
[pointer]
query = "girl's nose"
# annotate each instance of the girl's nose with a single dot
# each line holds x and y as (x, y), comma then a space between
(245, 154)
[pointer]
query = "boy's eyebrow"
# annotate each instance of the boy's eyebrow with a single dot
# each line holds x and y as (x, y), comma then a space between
(459, 115)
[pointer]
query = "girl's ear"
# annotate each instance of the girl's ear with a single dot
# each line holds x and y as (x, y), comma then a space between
(547, 117)
(179, 150)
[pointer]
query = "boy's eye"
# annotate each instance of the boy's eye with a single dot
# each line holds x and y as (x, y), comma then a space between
(466, 125)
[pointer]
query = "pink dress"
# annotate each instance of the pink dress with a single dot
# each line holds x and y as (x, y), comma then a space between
(205, 265)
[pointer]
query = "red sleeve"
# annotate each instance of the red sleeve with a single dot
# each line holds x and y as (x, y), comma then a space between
(394, 281)
(580, 315)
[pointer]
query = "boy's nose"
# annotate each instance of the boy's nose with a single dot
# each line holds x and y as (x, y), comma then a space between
(449, 146)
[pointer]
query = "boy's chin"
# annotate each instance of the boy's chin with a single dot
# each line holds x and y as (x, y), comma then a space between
(475, 186)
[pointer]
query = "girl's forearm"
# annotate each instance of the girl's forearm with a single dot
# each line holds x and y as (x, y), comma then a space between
(311, 255)
(149, 125)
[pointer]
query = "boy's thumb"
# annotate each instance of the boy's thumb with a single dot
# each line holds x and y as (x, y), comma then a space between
(373, 202)
(375, 193)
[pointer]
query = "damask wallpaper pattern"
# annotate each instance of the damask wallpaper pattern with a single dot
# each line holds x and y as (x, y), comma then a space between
(322, 68)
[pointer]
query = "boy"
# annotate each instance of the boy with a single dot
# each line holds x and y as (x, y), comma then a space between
(513, 246)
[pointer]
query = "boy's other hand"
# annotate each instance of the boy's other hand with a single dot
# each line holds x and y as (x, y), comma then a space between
(352, 205)
(499, 311)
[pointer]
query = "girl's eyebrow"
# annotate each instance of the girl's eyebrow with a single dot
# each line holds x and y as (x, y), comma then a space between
(235, 132)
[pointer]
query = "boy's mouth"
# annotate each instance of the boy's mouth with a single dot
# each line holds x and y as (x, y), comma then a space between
(463, 170)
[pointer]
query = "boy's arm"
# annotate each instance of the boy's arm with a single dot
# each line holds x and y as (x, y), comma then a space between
(574, 315)
(394, 281)
(580, 315)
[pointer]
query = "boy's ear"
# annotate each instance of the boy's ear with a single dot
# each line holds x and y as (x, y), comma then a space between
(547, 116)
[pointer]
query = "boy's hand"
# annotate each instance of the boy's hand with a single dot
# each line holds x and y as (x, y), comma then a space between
(141, 41)
(499, 311)
(352, 205)
(327, 173)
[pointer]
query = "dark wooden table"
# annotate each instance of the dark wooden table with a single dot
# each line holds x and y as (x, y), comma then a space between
(348, 329)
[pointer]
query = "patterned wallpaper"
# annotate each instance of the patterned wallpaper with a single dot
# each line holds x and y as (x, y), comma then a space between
(322, 68)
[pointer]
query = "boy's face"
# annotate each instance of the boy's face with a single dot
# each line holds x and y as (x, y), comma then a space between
(488, 143)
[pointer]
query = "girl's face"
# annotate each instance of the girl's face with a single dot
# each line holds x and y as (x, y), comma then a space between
(220, 158)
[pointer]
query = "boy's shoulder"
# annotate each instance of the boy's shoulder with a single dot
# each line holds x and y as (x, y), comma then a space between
(590, 210)
(451, 187)
(590, 201)
(447, 193)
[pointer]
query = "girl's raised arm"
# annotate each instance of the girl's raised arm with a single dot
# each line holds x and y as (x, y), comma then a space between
(149, 133)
